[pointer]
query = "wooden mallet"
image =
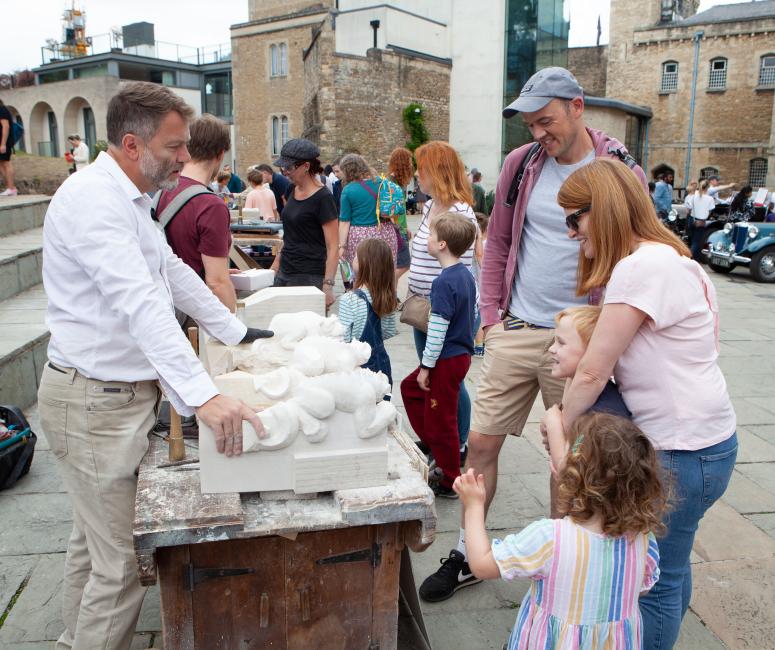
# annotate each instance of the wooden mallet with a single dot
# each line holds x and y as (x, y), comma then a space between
(177, 447)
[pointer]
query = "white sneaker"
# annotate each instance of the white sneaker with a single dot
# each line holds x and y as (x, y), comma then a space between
(10, 192)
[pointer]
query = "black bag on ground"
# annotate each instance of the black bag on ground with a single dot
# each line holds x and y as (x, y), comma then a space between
(15, 453)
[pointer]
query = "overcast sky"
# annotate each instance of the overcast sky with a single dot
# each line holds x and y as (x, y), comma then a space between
(198, 23)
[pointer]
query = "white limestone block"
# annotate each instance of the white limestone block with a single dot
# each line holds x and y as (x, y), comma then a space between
(252, 279)
(259, 309)
(241, 385)
(346, 469)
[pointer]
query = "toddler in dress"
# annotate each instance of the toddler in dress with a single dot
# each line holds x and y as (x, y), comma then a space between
(588, 568)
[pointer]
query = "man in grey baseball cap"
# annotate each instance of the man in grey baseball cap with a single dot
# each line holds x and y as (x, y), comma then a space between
(544, 86)
(528, 276)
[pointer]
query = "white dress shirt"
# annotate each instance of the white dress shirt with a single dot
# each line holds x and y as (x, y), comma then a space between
(111, 281)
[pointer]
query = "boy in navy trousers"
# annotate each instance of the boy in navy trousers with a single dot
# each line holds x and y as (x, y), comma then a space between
(430, 393)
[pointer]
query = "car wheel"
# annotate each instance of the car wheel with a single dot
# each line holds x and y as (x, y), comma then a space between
(763, 265)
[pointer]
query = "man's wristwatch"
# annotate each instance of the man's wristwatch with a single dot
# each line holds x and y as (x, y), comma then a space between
(330, 283)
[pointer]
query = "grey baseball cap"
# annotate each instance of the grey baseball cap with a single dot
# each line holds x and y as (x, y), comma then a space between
(297, 150)
(544, 86)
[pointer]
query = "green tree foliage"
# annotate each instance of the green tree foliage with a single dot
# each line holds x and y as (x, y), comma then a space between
(414, 122)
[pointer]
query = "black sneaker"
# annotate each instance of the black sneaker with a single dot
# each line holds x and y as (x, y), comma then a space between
(424, 449)
(445, 492)
(463, 454)
(454, 574)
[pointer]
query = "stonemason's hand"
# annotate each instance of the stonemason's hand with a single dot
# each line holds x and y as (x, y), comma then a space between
(254, 333)
(224, 415)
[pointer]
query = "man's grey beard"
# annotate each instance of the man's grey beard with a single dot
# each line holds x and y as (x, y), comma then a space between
(157, 172)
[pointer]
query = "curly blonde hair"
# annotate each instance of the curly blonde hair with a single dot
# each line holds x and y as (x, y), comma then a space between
(612, 471)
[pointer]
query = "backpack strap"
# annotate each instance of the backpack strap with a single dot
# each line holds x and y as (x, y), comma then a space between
(374, 195)
(622, 154)
(511, 197)
(176, 205)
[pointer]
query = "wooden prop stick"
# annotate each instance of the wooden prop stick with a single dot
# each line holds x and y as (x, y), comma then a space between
(177, 448)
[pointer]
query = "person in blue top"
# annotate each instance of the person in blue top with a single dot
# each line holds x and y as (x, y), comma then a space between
(368, 313)
(431, 392)
(358, 218)
(663, 196)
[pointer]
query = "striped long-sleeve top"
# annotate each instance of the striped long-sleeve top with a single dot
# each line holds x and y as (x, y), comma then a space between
(424, 269)
(585, 586)
(353, 313)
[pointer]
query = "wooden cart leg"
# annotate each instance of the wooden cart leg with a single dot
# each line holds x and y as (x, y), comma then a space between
(177, 618)
(386, 575)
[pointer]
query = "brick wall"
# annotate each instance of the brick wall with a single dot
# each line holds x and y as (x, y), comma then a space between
(730, 127)
(354, 103)
(260, 9)
(588, 64)
(258, 96)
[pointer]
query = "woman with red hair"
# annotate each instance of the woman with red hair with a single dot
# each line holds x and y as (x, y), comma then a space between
(442, 176)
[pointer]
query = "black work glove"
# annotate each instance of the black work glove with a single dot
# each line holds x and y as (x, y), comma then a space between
(254, 333)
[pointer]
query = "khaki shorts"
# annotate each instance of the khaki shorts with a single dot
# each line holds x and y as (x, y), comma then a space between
(516, 366)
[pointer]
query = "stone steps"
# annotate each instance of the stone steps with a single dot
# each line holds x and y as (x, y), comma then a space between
(24, 337)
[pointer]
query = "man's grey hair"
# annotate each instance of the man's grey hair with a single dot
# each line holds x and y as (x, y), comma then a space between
(139, 108)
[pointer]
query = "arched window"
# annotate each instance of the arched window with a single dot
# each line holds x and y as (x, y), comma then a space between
(767, 70)
(707, 172)
(283, 47)
(717, 77)
(276, 146)
(274, 57)
(284, 129)
(669, 77)
(757, 172)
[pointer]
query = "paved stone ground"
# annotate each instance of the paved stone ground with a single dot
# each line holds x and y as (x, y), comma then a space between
(734, 559)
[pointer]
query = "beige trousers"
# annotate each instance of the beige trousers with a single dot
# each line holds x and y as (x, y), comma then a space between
(98, 433)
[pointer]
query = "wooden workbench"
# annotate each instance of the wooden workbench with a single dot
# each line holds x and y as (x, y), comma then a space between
(257, 571)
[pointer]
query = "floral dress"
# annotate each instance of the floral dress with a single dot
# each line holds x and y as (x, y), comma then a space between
(585, 589)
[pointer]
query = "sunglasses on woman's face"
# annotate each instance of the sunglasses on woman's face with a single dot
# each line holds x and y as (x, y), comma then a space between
(572, 220)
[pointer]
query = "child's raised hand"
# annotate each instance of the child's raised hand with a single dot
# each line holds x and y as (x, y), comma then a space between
(470, 488)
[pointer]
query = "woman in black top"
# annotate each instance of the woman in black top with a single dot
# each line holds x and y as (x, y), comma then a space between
(310, 223)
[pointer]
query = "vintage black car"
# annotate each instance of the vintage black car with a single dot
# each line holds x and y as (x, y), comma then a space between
(744, 244)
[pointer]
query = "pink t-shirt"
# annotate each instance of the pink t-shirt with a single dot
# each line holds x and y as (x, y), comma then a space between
(669, 375)
(263, 199)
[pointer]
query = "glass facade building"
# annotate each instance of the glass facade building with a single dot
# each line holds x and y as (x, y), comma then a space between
(536, 37)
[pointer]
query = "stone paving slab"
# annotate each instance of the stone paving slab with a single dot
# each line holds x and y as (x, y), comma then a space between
(737, 597)
(37, 613)
(753, 449)
(13, 571)
(745, 496)
(713, 542)
(34, 523)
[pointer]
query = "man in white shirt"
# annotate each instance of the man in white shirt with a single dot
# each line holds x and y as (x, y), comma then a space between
(111, 281)
(715, 188)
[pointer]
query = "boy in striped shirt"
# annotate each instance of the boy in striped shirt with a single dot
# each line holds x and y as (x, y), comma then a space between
(430, 393)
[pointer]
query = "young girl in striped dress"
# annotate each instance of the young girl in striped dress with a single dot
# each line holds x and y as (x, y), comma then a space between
(588, 568)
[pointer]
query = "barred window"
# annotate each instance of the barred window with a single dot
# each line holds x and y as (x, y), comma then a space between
(669, 77)
(767, 70)
(757, 172)
(707, 172)
(717, 80)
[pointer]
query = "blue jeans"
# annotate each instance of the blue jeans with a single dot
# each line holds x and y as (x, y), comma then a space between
(698, 479)
(463, 400)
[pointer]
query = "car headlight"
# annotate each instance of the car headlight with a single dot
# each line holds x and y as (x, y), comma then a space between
(753, 232)
(731, 248)
(672, 215)
(728, 227)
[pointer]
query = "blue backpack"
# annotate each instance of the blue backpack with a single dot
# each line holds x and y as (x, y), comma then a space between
(390, 200)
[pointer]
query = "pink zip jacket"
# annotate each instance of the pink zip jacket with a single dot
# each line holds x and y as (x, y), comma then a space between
(499, 267)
